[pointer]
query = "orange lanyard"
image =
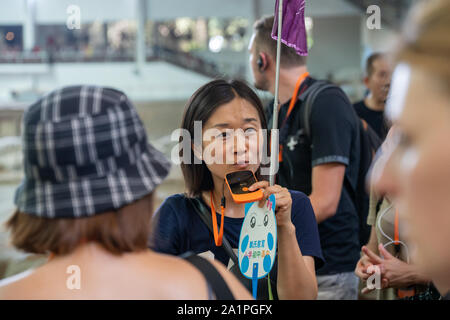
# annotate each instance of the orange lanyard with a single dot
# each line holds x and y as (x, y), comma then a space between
(300, 80)
(411, 290)
(217, 235)
(396, 233)
(295, 96)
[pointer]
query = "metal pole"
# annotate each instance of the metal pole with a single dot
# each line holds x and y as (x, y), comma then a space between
(274, 133)
(140, 56)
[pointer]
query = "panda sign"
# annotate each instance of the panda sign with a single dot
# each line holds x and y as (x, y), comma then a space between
(258, 241)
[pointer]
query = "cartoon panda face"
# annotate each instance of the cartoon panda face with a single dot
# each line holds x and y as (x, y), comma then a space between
(262, 220)
(257, 239)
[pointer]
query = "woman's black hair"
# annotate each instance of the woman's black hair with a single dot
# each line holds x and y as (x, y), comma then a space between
(202, 104)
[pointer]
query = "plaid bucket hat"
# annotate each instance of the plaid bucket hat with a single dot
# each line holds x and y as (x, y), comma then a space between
(85, 152)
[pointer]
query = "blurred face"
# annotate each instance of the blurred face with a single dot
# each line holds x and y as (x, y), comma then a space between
(380, 79)
(416, 175)
(232, 139)
(260, 79)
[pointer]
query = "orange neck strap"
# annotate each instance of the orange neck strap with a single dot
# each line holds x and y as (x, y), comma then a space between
(218, 235)
(294, 98)
(300, 80)
(396, 233)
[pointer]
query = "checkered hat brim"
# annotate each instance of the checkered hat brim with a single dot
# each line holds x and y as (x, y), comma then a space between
(85, 152)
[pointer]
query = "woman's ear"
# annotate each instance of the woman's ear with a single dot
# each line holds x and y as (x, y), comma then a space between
(262, 62)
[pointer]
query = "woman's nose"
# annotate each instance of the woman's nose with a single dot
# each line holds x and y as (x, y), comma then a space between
(240, 142)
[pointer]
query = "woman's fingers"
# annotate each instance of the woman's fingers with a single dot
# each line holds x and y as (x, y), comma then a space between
(258, 185)
(263, 185)
(361, 268)
(267, 190)
(372, 256)
(384, 252)
(266, 194)
(360, 273)
(366, 290)
(384, 283)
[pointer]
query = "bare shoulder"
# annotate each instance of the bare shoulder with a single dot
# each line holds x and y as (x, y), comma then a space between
(12, 287)
(188, 276)
(148, 276)
(178, 279)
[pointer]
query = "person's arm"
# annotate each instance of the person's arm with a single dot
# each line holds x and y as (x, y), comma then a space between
(327, 180)
(333, 130)
(296, 273)
(373, 240)
(296, 277)
(365, 262)
(394, 272)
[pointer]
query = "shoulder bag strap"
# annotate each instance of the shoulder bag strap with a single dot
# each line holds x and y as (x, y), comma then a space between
(213, 277)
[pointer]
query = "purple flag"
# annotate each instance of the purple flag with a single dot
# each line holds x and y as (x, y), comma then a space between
(293, 30)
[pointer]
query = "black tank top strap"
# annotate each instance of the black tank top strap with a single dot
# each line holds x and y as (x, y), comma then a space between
(215, 281)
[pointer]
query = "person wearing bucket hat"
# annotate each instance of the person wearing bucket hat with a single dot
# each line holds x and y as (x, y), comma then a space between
(85, 152)
(86, 201)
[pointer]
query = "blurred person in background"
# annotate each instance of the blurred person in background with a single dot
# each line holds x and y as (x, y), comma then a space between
(87, 202)
(388, 250)
(416, 174)
(377, 81)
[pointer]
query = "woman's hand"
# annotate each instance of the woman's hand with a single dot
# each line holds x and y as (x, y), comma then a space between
(361, 267)
(283, 201)
(373, 267)
(398, 273)
(394, 272)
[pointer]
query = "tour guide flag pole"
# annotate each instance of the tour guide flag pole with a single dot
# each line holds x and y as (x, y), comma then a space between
(292, 34)
(274, 132)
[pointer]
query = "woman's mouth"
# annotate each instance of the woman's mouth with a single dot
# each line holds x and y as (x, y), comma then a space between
(241, 164)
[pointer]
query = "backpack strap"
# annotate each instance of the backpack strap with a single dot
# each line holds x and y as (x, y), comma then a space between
(203, 213)
(309, 96)
(212, 276)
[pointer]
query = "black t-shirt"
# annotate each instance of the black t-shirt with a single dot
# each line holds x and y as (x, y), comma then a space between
(335, 138)
(375, 119)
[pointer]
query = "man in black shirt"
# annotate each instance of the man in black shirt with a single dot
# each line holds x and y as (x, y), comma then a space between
(317, 166)
(377, 81)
